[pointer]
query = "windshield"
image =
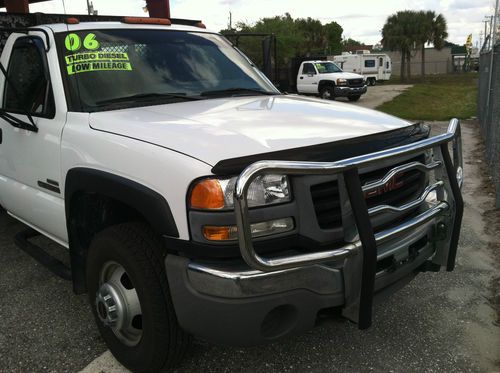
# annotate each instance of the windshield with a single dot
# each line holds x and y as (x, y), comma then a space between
(327, 67)
(104, 69)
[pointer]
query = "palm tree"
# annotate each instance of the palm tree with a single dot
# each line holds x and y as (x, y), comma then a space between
(399, 34)
(431, 29)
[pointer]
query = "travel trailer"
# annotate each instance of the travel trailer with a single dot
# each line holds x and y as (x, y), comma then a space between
(374, 66)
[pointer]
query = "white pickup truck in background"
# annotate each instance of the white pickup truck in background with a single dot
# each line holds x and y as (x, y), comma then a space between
(326, 79)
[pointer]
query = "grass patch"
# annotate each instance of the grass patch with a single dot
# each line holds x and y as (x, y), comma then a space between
(438, 97)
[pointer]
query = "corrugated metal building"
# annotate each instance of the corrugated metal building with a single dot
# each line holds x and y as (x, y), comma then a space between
(442, 61)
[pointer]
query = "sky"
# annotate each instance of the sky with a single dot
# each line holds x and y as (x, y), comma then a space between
(361, 19)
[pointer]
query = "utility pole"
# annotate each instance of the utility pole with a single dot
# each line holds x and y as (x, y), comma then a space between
(230, 20)
(485, 28)
(90, 8)
(489, 19)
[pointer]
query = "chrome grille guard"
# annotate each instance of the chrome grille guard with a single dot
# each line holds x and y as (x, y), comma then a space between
(368, 240)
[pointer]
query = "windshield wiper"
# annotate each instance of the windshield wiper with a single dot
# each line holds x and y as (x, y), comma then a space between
(237, 91)
(148, 96)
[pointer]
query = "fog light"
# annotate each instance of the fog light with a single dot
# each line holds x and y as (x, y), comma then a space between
(265, 228)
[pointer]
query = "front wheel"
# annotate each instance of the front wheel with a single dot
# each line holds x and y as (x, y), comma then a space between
(327, 93)
(130, 299)
(354, 98)
(372, 81)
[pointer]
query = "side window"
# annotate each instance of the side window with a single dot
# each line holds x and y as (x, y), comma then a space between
(387, 64)
(27, 88)
(369, 63)
(308, 69)
(381, 62)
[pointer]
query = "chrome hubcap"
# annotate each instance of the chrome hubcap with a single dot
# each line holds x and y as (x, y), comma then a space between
(118, 305)
(326, 95)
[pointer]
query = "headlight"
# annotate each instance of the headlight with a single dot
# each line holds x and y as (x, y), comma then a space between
(341, 81)
(217, 194)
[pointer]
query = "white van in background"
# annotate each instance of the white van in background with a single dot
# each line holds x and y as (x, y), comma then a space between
(374, 66)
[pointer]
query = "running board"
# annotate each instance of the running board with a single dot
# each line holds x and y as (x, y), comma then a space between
(40, 255)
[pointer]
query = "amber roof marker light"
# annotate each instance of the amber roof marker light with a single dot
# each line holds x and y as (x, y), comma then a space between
(146, 21)
(72, 21)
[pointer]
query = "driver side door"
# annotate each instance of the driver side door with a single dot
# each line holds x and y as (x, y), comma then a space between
(30, 167)
(307, 81)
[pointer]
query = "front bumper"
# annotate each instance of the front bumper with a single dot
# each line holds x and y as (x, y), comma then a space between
(234, 305)
(340, 91)
(269, 297)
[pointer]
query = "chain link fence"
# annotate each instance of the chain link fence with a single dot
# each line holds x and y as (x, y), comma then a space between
(489, 111)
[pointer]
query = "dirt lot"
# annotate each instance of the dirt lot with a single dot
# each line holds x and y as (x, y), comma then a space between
(440, 322)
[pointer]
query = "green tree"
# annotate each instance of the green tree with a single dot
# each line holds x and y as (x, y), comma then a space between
(333, 33)
(295, 37)
(314, 37)
(432, 29)
(400, 33)
(346, 43)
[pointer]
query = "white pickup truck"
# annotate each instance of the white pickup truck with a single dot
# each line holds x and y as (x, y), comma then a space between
(194, 198)
(326, 79)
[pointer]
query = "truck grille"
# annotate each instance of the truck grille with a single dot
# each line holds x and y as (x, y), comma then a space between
(326, 198)
(412, 184)
(355, 82)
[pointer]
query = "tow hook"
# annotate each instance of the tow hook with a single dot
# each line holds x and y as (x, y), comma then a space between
(440, 232)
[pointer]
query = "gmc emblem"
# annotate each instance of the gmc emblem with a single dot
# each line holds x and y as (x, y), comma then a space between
(392, 184)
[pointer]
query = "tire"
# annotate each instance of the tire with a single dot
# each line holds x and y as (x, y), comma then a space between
(152, 341)
(354, 98)
(372, 81)
(327, 92)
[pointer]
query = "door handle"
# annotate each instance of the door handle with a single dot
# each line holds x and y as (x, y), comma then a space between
(301, 77)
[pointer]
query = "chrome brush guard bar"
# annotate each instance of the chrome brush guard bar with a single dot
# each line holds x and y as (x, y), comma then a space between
(366, 246)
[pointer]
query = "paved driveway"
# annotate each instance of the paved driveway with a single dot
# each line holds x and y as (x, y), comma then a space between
(378, 94)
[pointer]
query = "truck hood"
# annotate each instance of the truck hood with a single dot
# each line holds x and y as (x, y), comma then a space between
(216, 129)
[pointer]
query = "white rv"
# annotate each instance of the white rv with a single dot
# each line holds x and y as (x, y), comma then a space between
(374, 66)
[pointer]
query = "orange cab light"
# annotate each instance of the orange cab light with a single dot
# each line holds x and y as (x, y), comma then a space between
(200, 25)
(207, 194)
(218, 233)
(146, 21)
(72, 21)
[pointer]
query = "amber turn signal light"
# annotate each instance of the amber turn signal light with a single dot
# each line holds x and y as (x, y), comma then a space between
(146, 21)
(219, 233)
(207, 194)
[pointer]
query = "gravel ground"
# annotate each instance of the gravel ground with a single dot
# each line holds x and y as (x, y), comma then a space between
(439, 322)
